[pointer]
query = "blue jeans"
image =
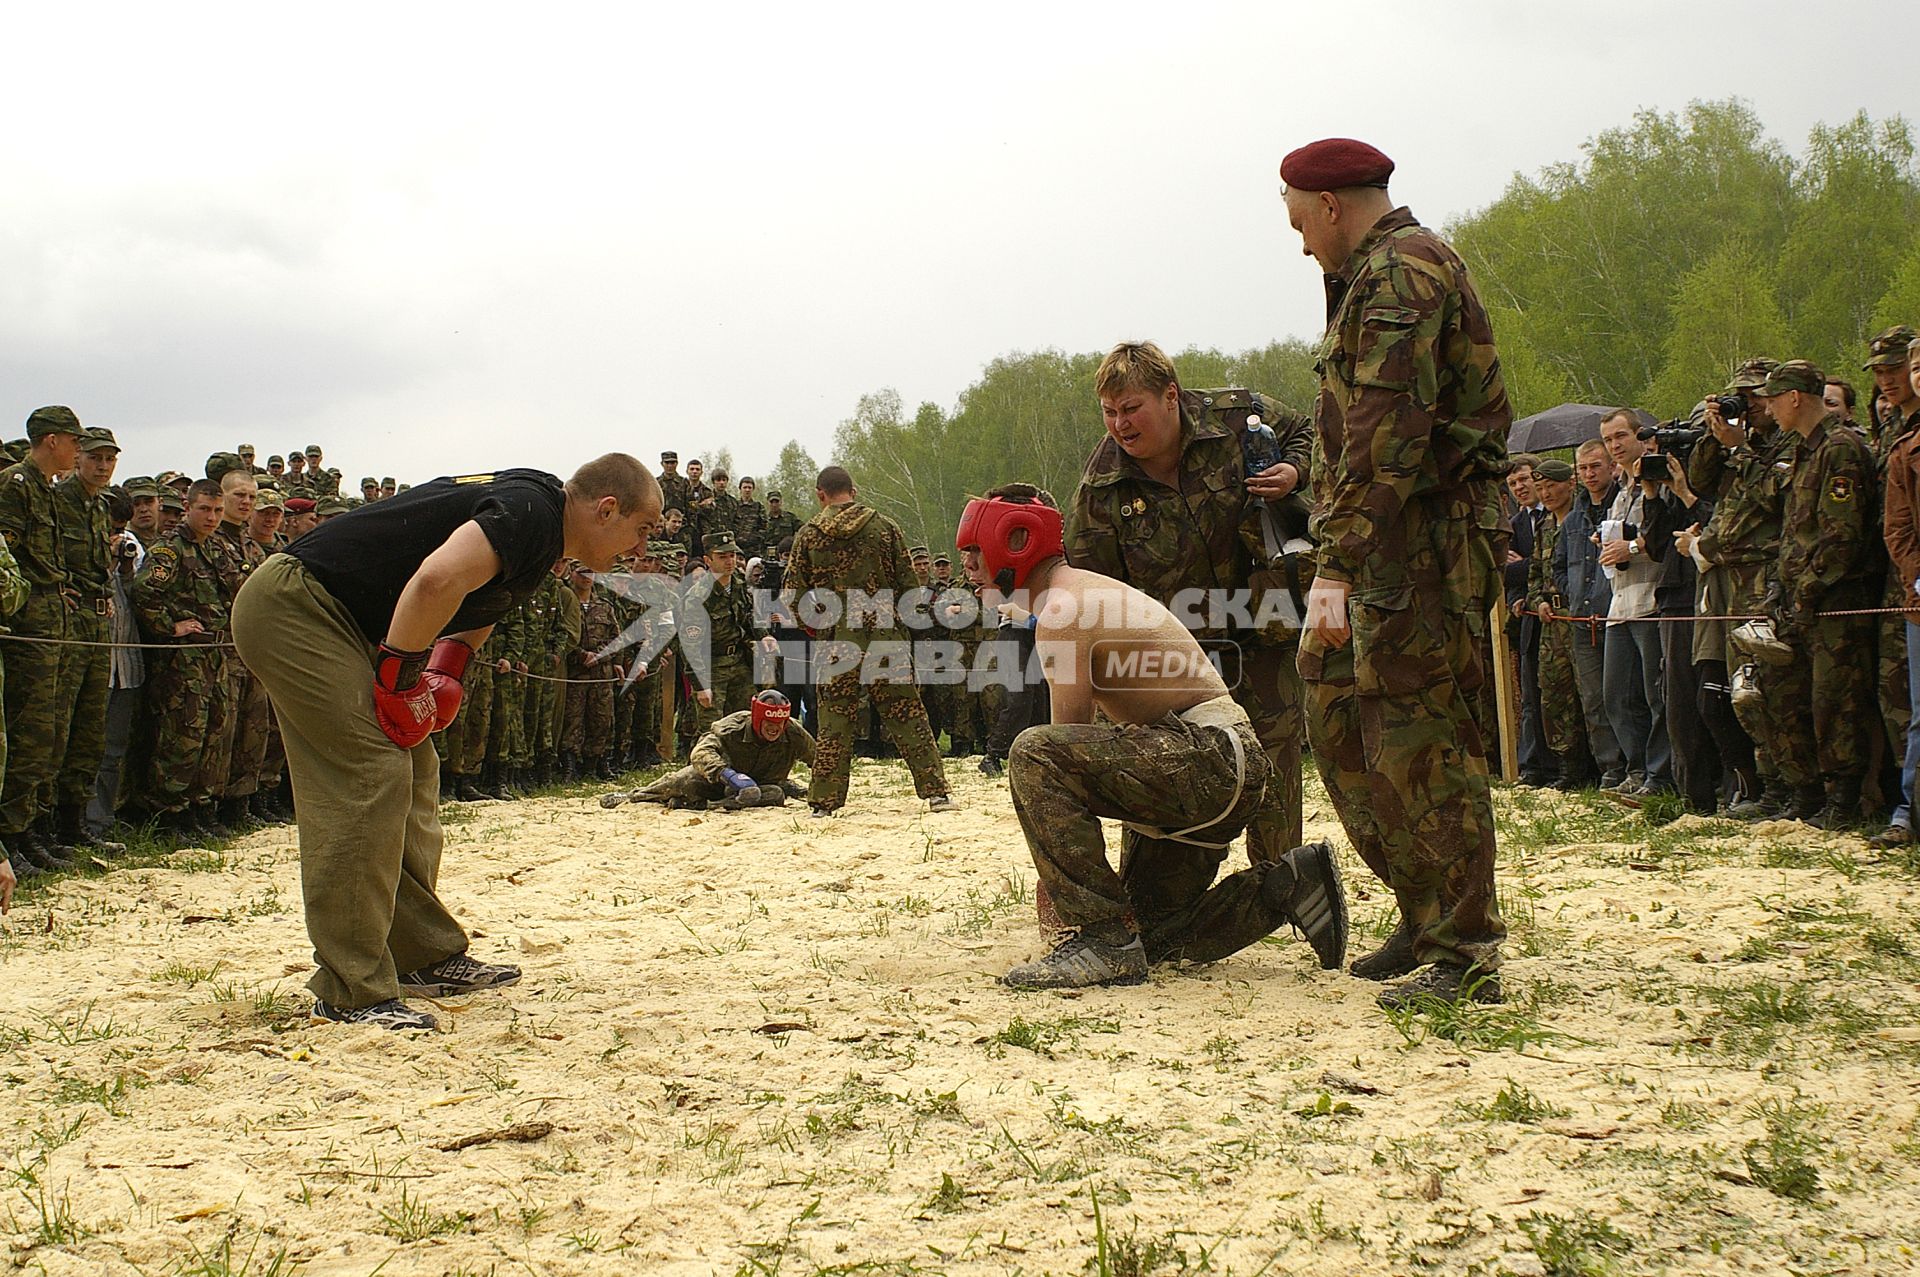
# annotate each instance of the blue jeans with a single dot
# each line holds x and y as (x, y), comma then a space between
(1903, 814)
(1637, 700)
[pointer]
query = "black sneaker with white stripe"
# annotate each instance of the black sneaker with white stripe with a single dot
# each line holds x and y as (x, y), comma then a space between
(1317, 905)
(391, 1014)
(1105, 953)
(458, 974)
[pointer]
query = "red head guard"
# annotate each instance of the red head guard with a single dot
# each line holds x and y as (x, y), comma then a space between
(771, 707)
(988, 524)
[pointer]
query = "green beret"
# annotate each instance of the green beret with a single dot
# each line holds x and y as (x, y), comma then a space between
(53, 420)
(1795, 374)
(1555, 469)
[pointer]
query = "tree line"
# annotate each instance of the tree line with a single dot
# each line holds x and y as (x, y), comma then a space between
(1637, 274)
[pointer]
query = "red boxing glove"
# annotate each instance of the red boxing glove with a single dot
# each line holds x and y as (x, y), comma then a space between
(446, 672)
(401, 700)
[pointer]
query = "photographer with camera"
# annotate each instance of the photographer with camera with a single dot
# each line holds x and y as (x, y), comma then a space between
(1634, 679)
(1742, 467)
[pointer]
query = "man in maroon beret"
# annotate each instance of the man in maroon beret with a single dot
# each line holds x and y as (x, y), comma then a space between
(1412, 420)
(301, 517)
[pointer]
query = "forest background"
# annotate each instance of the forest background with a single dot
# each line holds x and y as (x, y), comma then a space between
(1638, 274)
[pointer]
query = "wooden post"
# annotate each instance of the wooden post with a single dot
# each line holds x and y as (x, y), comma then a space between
(669, 679)
(1503, 689)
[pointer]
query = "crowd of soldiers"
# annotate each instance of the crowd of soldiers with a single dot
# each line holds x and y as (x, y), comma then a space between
(1776, 505)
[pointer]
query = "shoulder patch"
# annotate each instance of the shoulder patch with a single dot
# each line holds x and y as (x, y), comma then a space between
(1840, 489)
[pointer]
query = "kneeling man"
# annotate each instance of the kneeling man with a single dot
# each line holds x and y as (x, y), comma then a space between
(1173, 758)
(741, 761)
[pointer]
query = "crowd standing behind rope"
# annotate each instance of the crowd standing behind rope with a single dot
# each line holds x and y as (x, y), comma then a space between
(1727, 624)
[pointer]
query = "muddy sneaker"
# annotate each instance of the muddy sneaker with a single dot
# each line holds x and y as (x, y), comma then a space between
(391, 1014)
(1316, 904)
(1106, 953)
(458, 974)
(1442, 982)
(621, 798)
(1394, 958)
(1892, 836)
(942, 802)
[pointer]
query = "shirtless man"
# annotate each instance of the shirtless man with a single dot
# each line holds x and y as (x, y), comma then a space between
(1174, 758)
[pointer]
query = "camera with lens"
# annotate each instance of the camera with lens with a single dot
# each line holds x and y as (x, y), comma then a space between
(1676, 438)
(1732, 407)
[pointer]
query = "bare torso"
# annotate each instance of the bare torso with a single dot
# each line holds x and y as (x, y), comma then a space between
(1108, 646)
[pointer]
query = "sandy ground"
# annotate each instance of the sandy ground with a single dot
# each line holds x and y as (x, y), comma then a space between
(773, 1045)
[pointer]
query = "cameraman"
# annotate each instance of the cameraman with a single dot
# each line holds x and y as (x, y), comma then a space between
(1635, 688)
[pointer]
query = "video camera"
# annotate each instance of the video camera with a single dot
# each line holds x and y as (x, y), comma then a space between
(1676, 438)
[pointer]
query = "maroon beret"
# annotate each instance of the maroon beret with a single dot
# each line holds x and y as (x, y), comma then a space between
(1333, 163)
(300, 505)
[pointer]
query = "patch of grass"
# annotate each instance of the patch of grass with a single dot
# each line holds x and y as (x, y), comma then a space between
(980, 912)
(222, 1261)
(1131, 1255)
(178, 972)
(947, 1198)
(109, 1094)
(1662, 808)
(1041, 1036)
(1514, 1103)
(412, 1220)
(1473, 1025)
(1583, 1245)
(54, 1222)
(1781, 1162)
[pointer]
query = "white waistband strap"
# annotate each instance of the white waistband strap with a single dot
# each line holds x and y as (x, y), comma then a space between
(1239, 781)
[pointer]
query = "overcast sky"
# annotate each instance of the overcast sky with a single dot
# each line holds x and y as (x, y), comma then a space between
(447, 238)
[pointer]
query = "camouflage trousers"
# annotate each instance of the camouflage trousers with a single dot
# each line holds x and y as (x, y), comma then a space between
(191, 702)
(1270, 692)
(1169, 776)
(466, 736)
(1827, 697)
(1394, 736)
(86, 676)
(898, 708)
(252, 724)
(506, 736)
(1895, 705)
(1560, 714)
(537, 733)
(732, 692)
(589, 725)
(34, 697)
(686, 783)
(1779, 750)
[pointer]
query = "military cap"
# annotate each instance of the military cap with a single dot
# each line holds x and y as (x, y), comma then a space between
(402, 488)
(269, 499)
(313, 450)
(245, 450)
(295, 452)
(918, 552)
(52, 420)
(1889, 349)
(141, 485)
(97, 438)
(1752, 374)
(723, 544)
(1795, 374)
(369, 482)
(331, 506)
(938, 559)
(18, 448)
(171, 500)
(773, 496)
(669, 455)
(176, 480)
(221, 462)
(660, 549)
(353, 503)
(387, 482)
(299, 505)
(334, 471)
(276, 460)
(1334, 163)
(1554, 469)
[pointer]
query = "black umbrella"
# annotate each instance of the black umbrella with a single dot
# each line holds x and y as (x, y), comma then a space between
(1567, 426)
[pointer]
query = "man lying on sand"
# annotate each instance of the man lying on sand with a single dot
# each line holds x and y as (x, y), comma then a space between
(1174, 758)
(741, 761)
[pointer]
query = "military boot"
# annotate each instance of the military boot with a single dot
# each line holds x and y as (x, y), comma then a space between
(23, 868)
(44, 836)
(232, 812)
(1767, 802)
(607, 769)
(70, 827)
(569, 767)
(1809, 801)
(40, 851)
(205, 817)
(1842, 809)
(1394, 958)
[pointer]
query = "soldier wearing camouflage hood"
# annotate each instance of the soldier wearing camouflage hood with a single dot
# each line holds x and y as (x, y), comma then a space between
(1829, 562)
(849, 549)
(31, 520)
(1167, 505)
(1412, 421)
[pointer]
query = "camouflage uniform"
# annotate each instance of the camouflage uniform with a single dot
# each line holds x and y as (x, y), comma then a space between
(780, 526)
(466, 736)
(86, 673)
(732, 742)
(567, 639)
(1412, 421)
(189, 694)
(849, 547)
(1560, 714)
(750, 527)
(506, 728)
(30, 520)
(589, 732)
(252, 718)
(1887, 350)
(1830, 561)
(727, 634)
(1206, 535)
(673, 491)
(13, 593)
(544, 650)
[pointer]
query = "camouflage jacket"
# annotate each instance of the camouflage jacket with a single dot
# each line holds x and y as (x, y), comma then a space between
(727, 626)
(1830, 544)
(599, 626)
(1540, 583)
(237, 554)
(719, 518)
(180, 581)
(842, 549)
(1205, 535)
(750, 526)
(732, 742)
(509, 637)
(543, 640)
(1745, 527)
(779, 527)
(1411, 402)
(30, 519)
(13, 585)
(1713, 467)
(86, 539)
(673, 491)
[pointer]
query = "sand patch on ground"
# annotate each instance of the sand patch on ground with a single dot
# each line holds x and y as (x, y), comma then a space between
(766, 1044)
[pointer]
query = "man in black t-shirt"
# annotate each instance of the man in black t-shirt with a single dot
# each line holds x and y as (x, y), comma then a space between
(361, 632)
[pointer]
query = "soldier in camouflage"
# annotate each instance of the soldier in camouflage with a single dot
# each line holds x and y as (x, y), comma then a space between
(1900, 524)
(1412, 421)
(1830, 560)
(86, 675)
(745, 759)
(1167, 504)
(14, 865)
(717, 626)
(241, 802)
(1560, 715)
(31, 521)
(750, 522)
(782, 523)
(848, 548)
(588, 743)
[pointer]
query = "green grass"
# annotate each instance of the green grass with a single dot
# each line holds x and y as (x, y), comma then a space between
(1782, 1160)
(1514, 1103)
(1042, 1036)
(412, 1220)
(224, 1261)
(1582, 1245)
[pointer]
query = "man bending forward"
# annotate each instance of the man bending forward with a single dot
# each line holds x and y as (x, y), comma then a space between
(1174, 758)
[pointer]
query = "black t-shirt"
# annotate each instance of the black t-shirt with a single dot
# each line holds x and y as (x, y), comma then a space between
(365, 557)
